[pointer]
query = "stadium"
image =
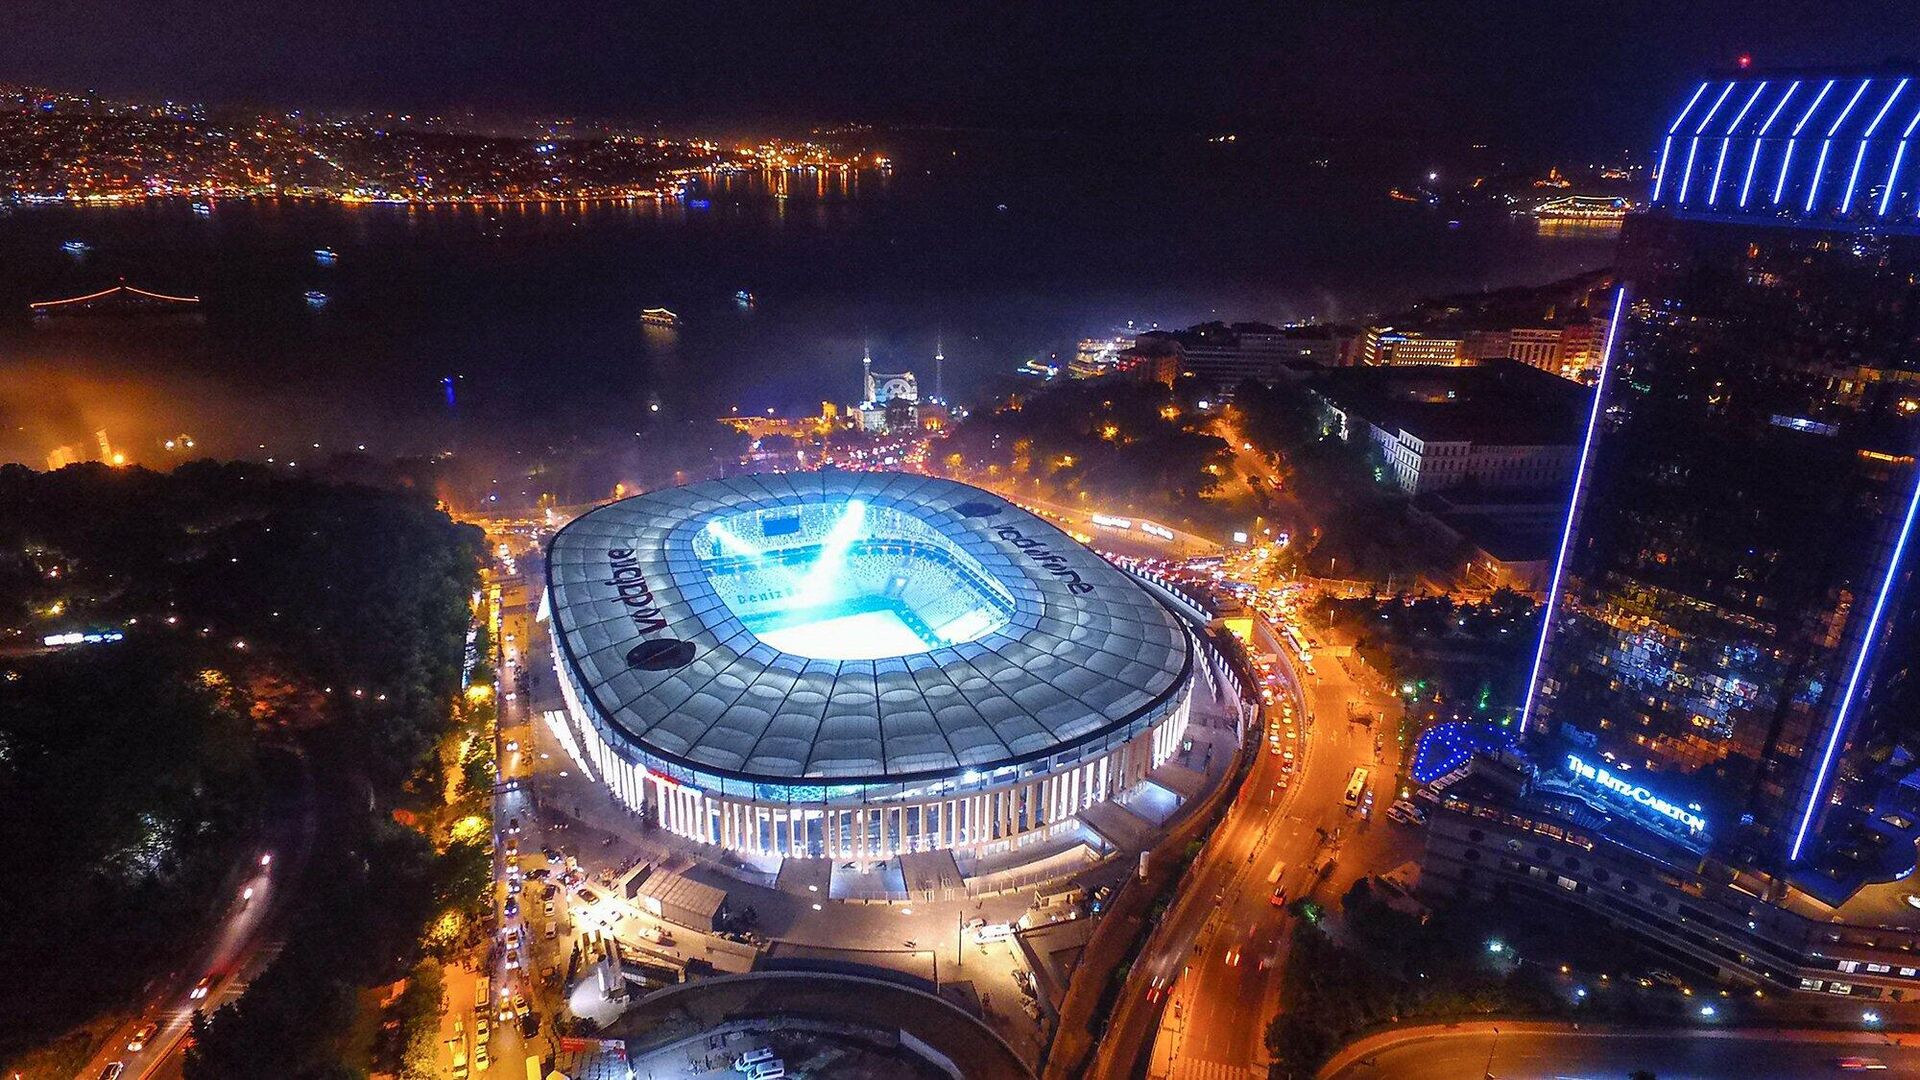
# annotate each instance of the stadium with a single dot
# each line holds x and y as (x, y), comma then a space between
(857, 665)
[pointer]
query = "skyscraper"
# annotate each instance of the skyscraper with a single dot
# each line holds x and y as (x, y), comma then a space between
(1732, 621)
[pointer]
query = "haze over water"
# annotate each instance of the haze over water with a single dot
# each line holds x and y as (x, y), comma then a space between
(537, 308)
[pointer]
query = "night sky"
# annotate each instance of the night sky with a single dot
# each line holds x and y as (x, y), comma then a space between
(1547, 73)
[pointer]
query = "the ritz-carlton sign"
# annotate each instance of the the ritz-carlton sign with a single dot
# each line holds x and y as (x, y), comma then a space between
(1635, 793)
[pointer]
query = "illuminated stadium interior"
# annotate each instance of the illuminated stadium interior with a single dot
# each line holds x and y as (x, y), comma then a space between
(843, 580)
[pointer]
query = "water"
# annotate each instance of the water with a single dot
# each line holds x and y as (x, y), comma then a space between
(998, 247)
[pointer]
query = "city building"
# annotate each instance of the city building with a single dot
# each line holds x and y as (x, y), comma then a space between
(1381, 346)
(890, 403)
(1561, 841)
(1224, 354)
(1494, 426)
(1721, 755)
(1732, 616)
(857, 665)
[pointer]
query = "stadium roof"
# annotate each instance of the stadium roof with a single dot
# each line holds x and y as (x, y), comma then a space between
(1085, 651)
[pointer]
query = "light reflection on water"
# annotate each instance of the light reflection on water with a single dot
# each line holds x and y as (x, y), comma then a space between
(534, 310)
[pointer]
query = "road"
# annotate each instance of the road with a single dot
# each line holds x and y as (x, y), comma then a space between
(1222, 947)
(1674, 1056)
(231, 952)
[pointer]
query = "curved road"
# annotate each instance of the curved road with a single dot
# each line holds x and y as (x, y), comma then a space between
(1220, 950)
(1680, 1055)
(231, 952)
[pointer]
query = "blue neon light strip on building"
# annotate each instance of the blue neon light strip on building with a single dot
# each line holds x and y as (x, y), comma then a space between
(1713, 193)
(1686, 176)
(1660, 174)
(1820, 167)
(1759, 138)
(1860, 155)
(1693, 147)
(1886, 196)
(1818, 789)
(1573, 507)
(1780, 185)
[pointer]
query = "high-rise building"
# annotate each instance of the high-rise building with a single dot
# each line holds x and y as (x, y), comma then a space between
(1732, 622)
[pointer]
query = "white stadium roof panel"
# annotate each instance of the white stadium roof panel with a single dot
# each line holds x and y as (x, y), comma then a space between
(663, 657)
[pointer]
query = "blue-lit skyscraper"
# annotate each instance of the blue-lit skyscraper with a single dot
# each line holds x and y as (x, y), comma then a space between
(1732, 632)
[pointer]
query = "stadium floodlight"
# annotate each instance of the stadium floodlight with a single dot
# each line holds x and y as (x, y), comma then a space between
(733, 542)
(825, 569)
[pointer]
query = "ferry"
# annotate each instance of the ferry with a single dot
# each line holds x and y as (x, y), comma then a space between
(1599, 208)
(743, 298)
(325, 256)
(203, 209)
(661, 317)
(76, 247)
(316, 298)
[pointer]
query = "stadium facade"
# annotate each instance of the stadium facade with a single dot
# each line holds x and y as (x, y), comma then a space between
(857, 665)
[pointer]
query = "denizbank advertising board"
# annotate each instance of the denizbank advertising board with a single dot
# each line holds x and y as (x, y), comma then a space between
(1637, 794)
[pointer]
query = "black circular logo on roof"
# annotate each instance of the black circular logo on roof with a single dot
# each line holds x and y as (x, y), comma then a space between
(977, 509)
(660, 654)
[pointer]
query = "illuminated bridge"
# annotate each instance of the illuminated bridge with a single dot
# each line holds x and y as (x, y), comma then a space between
(857, 665)
(1800, 147)
(121, 299)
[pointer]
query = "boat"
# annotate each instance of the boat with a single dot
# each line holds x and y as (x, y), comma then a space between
(316, 298)
(661, 317)
(76, 247)
(743, 298)
(1584, 208)
(203, 209)
(325, 255)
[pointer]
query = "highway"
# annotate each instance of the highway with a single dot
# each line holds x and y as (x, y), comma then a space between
(1561, 1055)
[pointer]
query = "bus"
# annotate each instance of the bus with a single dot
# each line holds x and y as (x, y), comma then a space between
(1356, 787)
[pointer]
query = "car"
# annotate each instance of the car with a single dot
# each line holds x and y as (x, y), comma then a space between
(1279, 897)
(513, 938)
(142, 1037)
(588, 896)
(1274, 748)
(513, 745)
(480, 1058)
(513, 845)
(546, 908)
(513, 825)
(113, 1071)
(1666, 978)
(520, 1006)
(550, 931)
(513, 959)
(1157, 989)
(480, 1029)
(513, 908)
(1286, 756)
(202, 988)
(1861, 1064)
(513, 886)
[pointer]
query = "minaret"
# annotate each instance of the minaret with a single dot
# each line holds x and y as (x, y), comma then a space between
(866, 372)
(939, 366)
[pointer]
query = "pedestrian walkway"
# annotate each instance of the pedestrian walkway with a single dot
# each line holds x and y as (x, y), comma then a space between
(1201, 1069)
